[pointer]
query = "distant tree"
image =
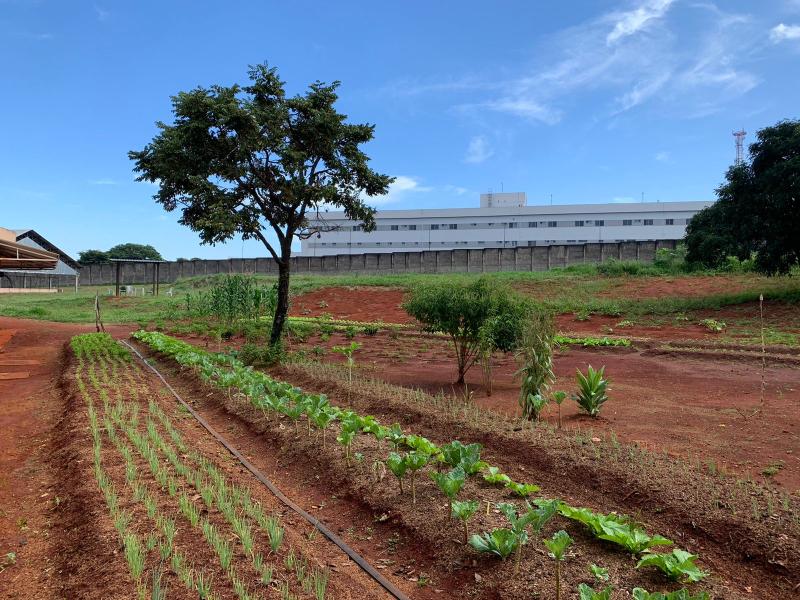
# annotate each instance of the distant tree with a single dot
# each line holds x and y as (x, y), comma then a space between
(92, 257)
(757, 208)
(134, 251)
(249, 161)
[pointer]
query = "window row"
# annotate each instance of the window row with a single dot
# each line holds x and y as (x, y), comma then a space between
(529, 224)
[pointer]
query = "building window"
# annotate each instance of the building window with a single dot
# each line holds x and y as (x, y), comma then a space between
(648, 221)
(578, 223)
(627, 222)
(453, 226)
(434, 227)
(532, 224)
(552, 223)
(394, 227)
(357, 227)
(412, 227)
(599, 223)
(670, 221)
(512, 225)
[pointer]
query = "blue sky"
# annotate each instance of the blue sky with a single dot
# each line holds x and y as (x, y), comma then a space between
(592, 101)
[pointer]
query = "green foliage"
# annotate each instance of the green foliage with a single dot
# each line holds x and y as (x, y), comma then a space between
(134, 251)
(591, 342)
(234, 298)
(397, 466)
(500, 542)
(587, 593)
(92, 257)
(462, 310)
(756, 208)
(713, 325)
(523, 490)
(247, 160)
(558, 544)
(450, 483)
(467, 457)
(535, 359)
(463, 511)
(642, 594)
(592, 389)
(494, 476)
(599, 573)
(614, 528)
(677, 565)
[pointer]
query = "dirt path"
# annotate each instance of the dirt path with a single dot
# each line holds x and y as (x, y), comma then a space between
(30, 405)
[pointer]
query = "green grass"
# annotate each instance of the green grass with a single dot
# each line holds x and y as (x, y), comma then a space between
(579, 289)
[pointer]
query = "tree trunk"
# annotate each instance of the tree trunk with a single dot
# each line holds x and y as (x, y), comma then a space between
(282, 308)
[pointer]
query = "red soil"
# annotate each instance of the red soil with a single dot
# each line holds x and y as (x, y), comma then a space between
(676, 287)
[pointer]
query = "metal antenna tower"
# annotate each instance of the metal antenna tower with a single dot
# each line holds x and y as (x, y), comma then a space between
(739, 135)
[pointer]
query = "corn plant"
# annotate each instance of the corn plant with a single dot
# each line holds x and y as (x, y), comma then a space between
(533, 405)
(558, 545)
(677, 565)
(592, 389)
(450, 484)
(587, 593)
(463, 510)
(535, 356)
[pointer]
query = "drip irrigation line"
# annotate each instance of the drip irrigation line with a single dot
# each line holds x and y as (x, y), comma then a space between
(355, 556)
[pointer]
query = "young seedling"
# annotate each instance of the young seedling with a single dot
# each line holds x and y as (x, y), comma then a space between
(592, 389)
(599, 573)
(463, 510)
(587, 593)
(523, 490)
(500, 542)
(494, 476)
(677, 565)
(450, 483)
(642, 594)
(397, 466)
(558, 398)
(347, 352)
(414, 461)
(322, 418)
(533, 517)
(558, 545)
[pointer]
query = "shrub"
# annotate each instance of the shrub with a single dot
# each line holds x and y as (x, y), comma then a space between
(461, 310)
(592, 389)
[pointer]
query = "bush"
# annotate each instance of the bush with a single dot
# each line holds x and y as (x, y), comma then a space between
(469, 312)
(260, 355)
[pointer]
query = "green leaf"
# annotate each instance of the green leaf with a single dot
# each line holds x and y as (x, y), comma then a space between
(415, 460)
(396, 465)
(522, 489)
(558, 544)
(677, 565)
(451, 482)
(500, 542)
(599, 573)
(464, 509)
(587, 593)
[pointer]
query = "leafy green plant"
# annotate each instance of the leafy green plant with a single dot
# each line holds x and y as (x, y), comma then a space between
(558, 545)
(558, 398)
(614, 528)
(533, 405)
(592, 389)
(599, 573)
(397, 466)
(450, 484)
(463, 511)
(465, 456)
(677, 565)
(500, 542)
(523, 490)
(535, 357)
(347, 352)
(494, 476)
(535, 518)
(587, 593)
(414, 461)
(642, 594)
(713, 325)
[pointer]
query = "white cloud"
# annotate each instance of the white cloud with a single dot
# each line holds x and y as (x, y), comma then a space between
(636, 20)
(662, 156)
(456, 190)
(782, 32)
(399, 190)
(102, 182)
(478, 150)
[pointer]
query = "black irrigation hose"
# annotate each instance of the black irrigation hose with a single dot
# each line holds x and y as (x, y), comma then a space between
(357, 558)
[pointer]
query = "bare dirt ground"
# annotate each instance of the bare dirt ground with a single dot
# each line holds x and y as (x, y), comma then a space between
(689, 406)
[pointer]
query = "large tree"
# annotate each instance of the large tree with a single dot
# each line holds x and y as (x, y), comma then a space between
(757, 208)
(251, 161)
(134, 251)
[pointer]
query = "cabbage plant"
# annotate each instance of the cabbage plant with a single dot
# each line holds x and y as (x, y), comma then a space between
(414, 461)
(523, 490)
(397, 466)
(494, 476)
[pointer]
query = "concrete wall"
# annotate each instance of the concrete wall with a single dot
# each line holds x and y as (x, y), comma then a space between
(526, 258)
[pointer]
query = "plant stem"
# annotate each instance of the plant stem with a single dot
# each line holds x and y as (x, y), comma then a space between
(558, 579)
(413, 490)
(466, 533)
(517, 558)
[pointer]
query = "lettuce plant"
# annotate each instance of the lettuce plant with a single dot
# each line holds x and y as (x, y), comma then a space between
(587, 593)
(500, 542)
(494, 476)
(677, 565)
(397, 466)
(523, 490)
(642, 594)
(450, 483)
(592, 389)
(558, 545)
(463, 511)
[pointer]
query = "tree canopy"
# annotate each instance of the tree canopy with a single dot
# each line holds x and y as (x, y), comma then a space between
(757, 209)
(251, 161)
(129, 251)
(92, 257)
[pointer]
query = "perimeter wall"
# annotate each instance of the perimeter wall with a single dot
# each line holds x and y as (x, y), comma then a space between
(531, 258)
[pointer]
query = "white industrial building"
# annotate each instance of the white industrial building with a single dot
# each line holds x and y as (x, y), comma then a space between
(502, 221)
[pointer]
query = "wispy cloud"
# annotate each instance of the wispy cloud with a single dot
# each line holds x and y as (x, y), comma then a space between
(662, 156)
(478, 150)
(399, 190)
(102, 182)
(782, 32)
(102, 14)
(627, 58)
(636, 20)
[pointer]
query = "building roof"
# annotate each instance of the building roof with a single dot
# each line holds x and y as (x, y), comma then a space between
(32, 235)
(17, 257)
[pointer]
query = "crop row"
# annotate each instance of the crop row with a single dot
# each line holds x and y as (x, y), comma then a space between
(184, 477)
(408, 454)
